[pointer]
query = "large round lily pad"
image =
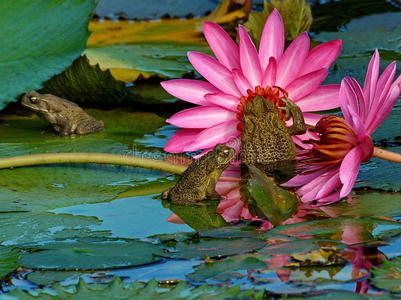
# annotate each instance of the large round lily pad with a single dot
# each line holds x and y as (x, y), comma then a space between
(214, 248)
(82, 255)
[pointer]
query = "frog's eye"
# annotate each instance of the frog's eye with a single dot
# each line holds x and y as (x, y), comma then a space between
(226, 152)
(33, 99)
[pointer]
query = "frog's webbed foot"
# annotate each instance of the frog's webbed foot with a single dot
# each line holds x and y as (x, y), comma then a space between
(298, 123)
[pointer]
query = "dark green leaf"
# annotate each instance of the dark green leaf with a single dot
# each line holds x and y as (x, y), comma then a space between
(222, 270)
(201, 248)
(81, 255)
(8, 260)
(38, 41)
(268, 199)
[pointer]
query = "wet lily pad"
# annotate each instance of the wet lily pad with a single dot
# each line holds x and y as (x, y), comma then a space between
(126, 61)
(240, 231)
(225, 269)
(18, 228)
(120, 290)
(8, 260)
(95, 255)
(201, 248)
(34, 49)
(51, 277)
(363, 35)
(388, 276)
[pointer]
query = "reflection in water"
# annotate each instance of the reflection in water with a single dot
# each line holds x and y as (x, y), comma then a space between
(302, 240)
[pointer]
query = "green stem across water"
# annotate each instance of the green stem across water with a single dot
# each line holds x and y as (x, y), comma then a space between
(98, 158)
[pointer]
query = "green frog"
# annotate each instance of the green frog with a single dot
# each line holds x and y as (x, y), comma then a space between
(66, 117)
(266, 140)
(199, 179)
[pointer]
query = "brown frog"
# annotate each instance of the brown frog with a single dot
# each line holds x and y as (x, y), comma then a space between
(65, 116)
(199, 180)
(266, 140)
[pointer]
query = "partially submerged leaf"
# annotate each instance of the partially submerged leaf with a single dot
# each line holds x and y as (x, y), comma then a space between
(296, 14)
(39, 41)
(8, 260)
(268, 199)
(90, 255)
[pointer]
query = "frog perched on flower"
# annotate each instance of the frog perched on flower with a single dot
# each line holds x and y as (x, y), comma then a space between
(239, 74)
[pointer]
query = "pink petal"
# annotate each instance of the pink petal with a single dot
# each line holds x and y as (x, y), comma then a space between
(269, 77)
(173, 218)
(201, 117)
(272, 39)
(241, 82)
(181, 139)
(224, 100)
(351, 95)
(292, 60)
(222, 44)
(312, 119)
(209, 137)
(349, 170)
(325, 97)
(371, 78)
(387, 107)
(332, 198)
(306, 84)
(331, 184)
(214, 72)
(189, 90)
(383, 90)
(321, 56)
(249, 59)
(302, 179)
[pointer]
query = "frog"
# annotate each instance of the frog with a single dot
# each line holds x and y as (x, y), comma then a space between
(198, 181)
(266, 140)
(66, 117)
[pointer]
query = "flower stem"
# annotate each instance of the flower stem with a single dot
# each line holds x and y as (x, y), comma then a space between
(387, 155)
(98, 158)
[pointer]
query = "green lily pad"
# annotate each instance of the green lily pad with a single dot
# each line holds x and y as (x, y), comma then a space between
(164, 60)
(388, 276)
(19, 228)
(223, 270)
(201, 248)
(229, 232)
(90, 255)
(363, 35)
(364, 204)
(8, 260)
(136, 290)
(51, 277)
(34, 49)
(301, 246)
(364, 230)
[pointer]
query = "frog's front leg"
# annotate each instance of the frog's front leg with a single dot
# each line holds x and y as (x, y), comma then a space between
(298, 122)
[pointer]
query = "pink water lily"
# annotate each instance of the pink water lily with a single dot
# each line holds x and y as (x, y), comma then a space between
(239, 73)
(345, 143)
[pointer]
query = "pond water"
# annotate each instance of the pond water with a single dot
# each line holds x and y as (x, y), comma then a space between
(115, 217)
